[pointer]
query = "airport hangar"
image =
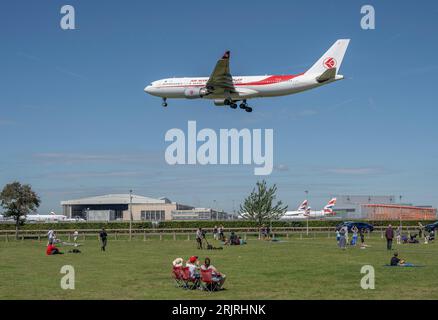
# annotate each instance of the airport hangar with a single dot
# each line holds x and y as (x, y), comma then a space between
(115, 207)
(370, 207)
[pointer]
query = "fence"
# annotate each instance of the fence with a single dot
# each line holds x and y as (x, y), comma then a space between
(187, 233)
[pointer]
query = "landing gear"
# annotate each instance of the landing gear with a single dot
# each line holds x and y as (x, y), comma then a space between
(164, 104)
(245, 106)
(233, 105)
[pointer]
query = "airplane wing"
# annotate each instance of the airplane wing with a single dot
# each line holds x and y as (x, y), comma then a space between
(220, 79)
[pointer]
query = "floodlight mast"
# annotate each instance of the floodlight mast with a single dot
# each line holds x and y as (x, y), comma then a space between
(130, 215)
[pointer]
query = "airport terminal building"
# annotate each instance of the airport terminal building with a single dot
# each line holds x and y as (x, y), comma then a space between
(116, 207)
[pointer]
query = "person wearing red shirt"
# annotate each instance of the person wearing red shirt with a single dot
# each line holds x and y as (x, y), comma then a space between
(51, 249)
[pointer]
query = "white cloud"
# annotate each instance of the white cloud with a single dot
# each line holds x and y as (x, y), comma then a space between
(355, 171)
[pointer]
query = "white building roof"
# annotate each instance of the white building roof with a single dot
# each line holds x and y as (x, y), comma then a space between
(114, 199)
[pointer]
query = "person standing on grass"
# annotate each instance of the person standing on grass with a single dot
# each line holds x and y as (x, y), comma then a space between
(354, 238)
(50, 236)
(75, 236)
(338, 236)
(215, 233)
(221, 233)
(342, 239)
(199, 236)
(346, 235)
(420, 230)
(103, 239)
(398, 235)
(389, 235)
(362, 237)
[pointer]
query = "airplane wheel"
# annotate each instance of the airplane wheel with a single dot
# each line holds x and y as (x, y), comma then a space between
(164, 104)
(243, 106)
(248, 109)
(233, 106)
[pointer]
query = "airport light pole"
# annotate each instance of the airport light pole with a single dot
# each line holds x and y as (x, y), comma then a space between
(400, 213)
(307, 219)
(130, 215)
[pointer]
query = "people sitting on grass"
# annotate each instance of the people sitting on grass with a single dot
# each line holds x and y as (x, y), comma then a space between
(193, 265)
(432, 235)
(51, 250)
(193, 279)
(178, 262)
(396, 261)
(217, 277)
(413, 238)
(234, 239)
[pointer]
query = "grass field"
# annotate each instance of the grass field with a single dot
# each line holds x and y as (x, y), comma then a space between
(311, 268)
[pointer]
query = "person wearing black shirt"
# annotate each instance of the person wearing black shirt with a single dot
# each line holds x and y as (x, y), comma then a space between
(395, 261)
(103, 238)
(389, 234)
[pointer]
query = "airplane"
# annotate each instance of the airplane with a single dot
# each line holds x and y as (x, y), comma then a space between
(307, 213)
(226, 90)
(300, 211)
(52, 217)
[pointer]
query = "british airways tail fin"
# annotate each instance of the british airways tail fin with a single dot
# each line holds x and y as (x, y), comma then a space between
(328, 209)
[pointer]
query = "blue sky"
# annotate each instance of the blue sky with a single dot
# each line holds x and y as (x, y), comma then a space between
(74, 119)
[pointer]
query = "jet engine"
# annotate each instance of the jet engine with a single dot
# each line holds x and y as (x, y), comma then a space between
(221, 102)
(195, 93)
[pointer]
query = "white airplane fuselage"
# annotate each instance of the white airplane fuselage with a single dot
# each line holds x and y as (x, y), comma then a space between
(247, 87)
(45, 217)
(294, 215)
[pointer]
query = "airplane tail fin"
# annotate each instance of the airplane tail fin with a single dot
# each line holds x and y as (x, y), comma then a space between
(332, 59)
(303, 206)
(328, 209)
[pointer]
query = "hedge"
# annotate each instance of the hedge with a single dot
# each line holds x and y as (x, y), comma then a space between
(191, 224)
(77, 225)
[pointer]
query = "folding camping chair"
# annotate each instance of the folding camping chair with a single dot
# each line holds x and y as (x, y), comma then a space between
(177, 275)
(207, 281)
(189, 282)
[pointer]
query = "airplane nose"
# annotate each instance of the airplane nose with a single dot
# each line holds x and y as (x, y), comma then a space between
(148, 89)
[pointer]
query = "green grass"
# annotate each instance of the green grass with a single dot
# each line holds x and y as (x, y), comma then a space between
(312, 268)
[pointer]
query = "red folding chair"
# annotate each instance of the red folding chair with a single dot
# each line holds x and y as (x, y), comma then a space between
(189, 282)
(178, 276)
(207, 281)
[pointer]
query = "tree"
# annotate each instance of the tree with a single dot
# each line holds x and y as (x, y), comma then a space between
(18, 201)
(258, 206)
